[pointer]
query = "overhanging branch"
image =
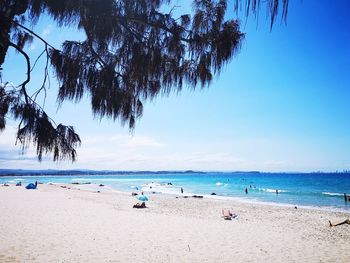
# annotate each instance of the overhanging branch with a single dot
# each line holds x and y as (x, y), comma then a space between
(34, 34)
(23, 85)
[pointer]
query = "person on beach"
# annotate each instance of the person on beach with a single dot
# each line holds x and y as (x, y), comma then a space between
(227, 214)
(276, 191)
(138, 205)
(345, 197)
(246, 190)
(182, 190)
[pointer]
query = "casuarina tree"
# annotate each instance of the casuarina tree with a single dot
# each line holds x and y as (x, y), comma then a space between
(132, 51)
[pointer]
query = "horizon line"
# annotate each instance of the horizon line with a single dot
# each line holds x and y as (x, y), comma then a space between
(344, 171)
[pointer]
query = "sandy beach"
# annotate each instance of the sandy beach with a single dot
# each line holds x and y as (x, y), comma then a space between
(55, 224)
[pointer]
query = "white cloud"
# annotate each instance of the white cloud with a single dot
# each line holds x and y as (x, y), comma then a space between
(140, 152)
(11, 154)
(124, 141)
(47, 31)
(126, 152)
(214, 158)
(142, 141)
(32, 47)
(8, 137)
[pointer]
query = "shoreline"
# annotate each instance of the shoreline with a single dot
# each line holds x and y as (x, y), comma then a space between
(238, 199)
(95, 187)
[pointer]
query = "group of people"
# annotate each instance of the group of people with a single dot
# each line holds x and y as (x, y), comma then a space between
(346, 197)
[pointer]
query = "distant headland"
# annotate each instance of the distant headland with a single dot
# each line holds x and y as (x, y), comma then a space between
(54, 172)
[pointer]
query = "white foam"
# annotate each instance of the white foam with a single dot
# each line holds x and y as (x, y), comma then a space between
(332, 194)
(260, 202)
(79, 179)
(268, 190)
(162, 189)
(176, 190)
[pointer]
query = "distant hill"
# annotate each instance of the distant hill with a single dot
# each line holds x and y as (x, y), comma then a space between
(22, 172)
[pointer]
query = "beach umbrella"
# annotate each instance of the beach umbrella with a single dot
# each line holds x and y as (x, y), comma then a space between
(142, 198)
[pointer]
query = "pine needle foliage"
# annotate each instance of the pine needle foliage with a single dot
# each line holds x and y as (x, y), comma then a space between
(133, 52)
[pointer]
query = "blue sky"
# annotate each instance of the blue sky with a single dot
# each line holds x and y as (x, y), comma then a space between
(280, 105)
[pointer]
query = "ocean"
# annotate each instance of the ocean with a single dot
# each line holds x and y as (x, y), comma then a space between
(320, 190)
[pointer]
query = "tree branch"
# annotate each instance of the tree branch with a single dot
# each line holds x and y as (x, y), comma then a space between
(45, 77)
(156, 25)
(34, 34)
(23, 85)
(38, 59)
(27, 98)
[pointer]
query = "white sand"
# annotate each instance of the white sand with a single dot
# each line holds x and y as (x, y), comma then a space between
(54, 224)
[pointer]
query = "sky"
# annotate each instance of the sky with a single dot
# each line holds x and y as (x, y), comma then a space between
(281, 104)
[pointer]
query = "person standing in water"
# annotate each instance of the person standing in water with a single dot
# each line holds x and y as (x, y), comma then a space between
(182, 190)
(345, 197)
(276, 191)
(246, 190)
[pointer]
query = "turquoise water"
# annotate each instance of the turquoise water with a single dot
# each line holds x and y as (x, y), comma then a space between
(323, 190)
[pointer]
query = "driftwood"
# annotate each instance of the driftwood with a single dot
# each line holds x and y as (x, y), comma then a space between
(347, 221)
